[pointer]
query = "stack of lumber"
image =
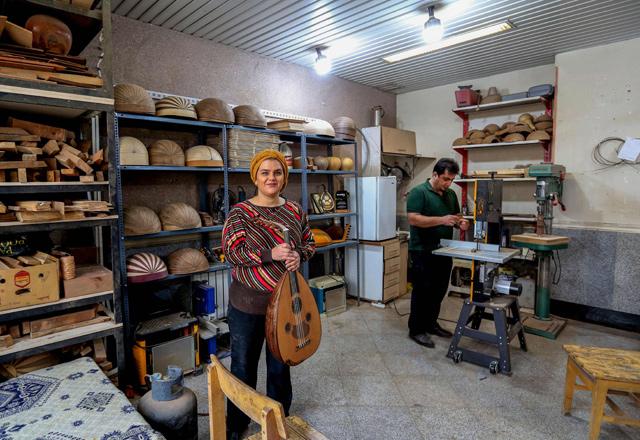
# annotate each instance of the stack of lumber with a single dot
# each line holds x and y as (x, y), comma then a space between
(243, 145)
(295, 125)
(32, 152)
(43, 211)
(24, 260)
(29, 63)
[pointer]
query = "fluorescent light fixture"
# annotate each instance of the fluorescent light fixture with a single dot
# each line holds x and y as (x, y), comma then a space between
(323, 63)
(433, 29)
(451, 41)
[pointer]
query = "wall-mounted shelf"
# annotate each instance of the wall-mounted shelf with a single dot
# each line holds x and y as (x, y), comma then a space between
(504, 179)
(500, 105)
(502, 145)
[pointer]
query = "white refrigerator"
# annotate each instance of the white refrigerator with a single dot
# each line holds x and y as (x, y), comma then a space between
(376, 207)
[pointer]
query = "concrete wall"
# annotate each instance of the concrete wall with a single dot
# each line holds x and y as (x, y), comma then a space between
(598, 97)
(166, 61)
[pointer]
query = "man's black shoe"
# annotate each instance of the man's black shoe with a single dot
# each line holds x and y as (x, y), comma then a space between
(423, 339)
(439, 331)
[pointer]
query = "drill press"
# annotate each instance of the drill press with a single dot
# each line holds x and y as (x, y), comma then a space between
(549, 178)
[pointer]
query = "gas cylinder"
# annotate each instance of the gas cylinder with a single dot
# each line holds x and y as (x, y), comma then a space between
(170, 407)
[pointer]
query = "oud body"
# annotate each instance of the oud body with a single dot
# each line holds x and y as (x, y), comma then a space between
(293, 329)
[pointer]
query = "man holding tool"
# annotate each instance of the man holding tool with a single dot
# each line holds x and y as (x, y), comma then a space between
(433, 211)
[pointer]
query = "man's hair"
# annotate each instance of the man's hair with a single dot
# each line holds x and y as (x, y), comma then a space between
(446, 164)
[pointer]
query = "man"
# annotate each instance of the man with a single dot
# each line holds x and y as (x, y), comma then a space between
(433, 211)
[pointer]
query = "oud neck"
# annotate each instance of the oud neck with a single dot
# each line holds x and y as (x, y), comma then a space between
(292, 277)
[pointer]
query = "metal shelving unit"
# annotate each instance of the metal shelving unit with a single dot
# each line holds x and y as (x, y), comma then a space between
(76, 106)
(201, 129)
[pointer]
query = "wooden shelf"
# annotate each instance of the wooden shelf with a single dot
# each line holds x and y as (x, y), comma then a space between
(60, 305)
(51, 187)
(500, 105)
(8, 227)
(504, 179)
(501, 145)
(26, 346)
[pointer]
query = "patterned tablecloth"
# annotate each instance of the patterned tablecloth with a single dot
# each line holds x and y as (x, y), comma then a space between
(71, 401)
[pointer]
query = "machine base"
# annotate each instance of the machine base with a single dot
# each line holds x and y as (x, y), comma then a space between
(549, 329)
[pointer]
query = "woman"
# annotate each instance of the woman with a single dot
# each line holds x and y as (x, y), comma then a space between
(254, 247)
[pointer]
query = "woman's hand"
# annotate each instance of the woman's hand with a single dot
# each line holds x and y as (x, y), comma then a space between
(281, 252)
(293, 261)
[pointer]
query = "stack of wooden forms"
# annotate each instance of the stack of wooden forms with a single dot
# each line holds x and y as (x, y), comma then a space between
(44, 211)
(31, 152)
(243, 145)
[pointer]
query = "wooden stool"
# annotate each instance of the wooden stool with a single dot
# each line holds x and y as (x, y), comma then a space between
(602, 371)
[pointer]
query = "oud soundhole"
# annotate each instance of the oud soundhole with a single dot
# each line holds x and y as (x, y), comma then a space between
(287, 327)
(308, 317)
(296, 305)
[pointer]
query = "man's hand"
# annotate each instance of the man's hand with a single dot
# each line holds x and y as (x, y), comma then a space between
(293, 261)
(450, 220)
(282, 252)
(464, 224)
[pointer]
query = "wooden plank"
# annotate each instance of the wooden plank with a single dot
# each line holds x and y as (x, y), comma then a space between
(69, 172)
(27, 216)
(72, 79)
(45, 131)
(51, 176)
(97, 320)
(65, 161)
(14, 331)
(30, 144)
(29, 157)
(11, 262)
(99, 176)
(69, 149)
(51, 148)
(8, 146)
(3, 208)
(11, 165)
(42, 324)
(20, 35)
(28, 261)
(99, 350)
(19, 137)
(34, 205)
(13, 130)
(6, 341)
(29, 150)
(540, 239)
(88, 280)
(87, 179)
(22, 174)
(52, 163)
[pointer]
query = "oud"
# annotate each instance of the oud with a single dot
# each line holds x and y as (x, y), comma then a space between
(293, 329)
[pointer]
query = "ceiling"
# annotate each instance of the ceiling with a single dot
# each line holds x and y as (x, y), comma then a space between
(361, 32)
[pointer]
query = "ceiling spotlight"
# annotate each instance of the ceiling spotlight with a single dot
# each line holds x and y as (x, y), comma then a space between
(323, 63)
(433, 29)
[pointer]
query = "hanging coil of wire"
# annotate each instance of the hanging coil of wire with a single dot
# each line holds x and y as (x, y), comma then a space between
(606, 156)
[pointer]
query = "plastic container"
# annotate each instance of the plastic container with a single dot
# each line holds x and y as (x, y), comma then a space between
(466, 97)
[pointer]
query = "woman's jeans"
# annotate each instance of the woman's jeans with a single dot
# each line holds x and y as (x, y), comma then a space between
(247, 338)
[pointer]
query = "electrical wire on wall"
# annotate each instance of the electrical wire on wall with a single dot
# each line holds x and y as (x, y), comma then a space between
(603, 156)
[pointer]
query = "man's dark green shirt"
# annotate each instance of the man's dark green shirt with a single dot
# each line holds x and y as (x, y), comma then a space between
(424, 200)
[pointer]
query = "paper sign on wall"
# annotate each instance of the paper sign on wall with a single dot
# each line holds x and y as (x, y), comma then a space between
(630, 150)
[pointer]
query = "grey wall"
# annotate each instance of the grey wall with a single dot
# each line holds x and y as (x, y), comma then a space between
(172, 62)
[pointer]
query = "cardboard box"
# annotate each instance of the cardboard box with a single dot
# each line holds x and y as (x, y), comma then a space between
(396, 141)
(404, 267)
(88, 280)
(30, 285)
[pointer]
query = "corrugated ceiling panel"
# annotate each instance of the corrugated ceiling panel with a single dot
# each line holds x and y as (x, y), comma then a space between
(290, 30)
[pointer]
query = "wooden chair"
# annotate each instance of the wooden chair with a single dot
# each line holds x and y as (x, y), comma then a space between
(603, 371)
(261, 409)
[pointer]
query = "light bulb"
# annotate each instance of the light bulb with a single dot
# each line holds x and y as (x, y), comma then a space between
(433, 29)
(323, 64)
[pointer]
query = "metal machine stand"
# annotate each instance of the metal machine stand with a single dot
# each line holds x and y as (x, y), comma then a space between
(490, 292)
(542, 324)
(549, 178)
(507, 327)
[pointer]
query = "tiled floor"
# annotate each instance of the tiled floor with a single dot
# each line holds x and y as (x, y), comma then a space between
(368, 381)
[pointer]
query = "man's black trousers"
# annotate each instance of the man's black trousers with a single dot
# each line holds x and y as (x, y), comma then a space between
(429, 275)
